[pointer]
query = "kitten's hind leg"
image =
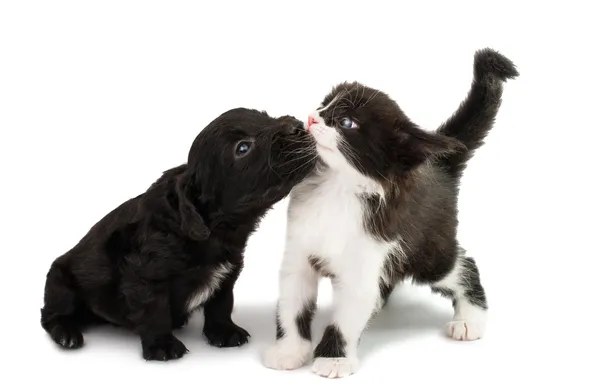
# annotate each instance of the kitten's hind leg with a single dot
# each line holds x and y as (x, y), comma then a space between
(463, 286)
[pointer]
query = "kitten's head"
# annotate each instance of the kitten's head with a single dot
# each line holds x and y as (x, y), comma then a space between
(357, 127)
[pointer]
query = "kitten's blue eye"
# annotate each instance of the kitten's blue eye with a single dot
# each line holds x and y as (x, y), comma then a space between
(242, 148)
(348, 123)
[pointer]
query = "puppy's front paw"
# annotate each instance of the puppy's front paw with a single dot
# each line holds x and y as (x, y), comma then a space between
(287, 355)
(224, 335)
(163, 348)
(337, 367)
(67, 337)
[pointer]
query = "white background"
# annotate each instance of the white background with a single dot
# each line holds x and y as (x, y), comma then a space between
(98, 98)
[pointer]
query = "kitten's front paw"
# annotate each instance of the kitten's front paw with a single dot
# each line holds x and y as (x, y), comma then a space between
(225, 335)
(464, 330)
(287, 355)
(336, 367)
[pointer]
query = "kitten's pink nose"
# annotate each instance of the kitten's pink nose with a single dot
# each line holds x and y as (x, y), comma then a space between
(311, 121)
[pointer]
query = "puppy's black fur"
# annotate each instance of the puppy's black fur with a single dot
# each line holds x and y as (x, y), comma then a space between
(157, 257)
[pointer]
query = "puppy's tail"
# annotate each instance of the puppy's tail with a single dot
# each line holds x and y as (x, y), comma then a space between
(476, 115)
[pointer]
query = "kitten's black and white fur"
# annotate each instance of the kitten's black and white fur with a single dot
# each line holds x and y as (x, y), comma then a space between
(380, 208)
(158, 257)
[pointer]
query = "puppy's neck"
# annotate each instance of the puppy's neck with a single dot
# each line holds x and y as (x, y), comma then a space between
(234, 227)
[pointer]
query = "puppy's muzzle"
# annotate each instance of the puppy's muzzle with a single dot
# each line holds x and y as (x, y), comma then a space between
(291, 126)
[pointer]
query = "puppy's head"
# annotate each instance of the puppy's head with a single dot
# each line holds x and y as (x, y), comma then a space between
(245, 161)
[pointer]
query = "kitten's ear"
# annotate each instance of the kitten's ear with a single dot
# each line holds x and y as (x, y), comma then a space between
(192, 223)
(433, 144)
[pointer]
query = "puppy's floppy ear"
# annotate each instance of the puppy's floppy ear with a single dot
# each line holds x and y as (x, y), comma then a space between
(192, 223)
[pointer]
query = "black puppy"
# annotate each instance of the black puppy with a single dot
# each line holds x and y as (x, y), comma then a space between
(152, 261)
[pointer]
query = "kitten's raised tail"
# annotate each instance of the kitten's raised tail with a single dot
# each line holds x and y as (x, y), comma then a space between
(476, 115)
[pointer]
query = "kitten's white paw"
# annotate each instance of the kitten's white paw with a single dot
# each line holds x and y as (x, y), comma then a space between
(464, 330)
(287, 355)
(335, 367)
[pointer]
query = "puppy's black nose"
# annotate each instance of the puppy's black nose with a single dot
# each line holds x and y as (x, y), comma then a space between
(293, 128)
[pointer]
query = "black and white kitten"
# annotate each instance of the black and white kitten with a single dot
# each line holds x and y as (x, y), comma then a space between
(380, 208)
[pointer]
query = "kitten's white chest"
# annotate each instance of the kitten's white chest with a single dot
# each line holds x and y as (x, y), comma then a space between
(326, 216)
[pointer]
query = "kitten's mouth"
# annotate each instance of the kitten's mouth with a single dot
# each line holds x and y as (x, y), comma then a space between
(319, 145)
(324, 147)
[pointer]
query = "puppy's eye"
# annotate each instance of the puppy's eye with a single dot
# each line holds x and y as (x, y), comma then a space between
(348, 123)
(242, 148)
